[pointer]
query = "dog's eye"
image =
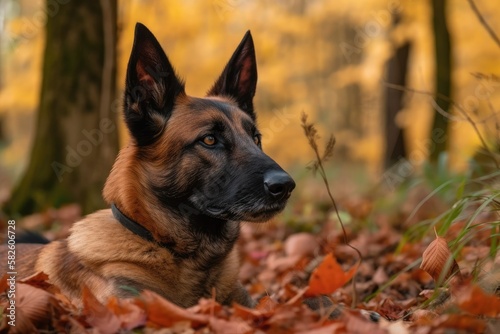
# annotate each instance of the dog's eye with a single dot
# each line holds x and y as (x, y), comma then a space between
(256, 140)
(209, 140)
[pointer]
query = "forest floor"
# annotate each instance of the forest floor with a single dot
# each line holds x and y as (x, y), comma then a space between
(303, 253)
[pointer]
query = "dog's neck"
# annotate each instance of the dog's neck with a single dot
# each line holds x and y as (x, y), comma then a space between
(128, 189)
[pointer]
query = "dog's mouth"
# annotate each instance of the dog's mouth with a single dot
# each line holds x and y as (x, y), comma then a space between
(256, 214)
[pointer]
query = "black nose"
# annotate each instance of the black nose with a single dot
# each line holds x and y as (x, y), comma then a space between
(278, 184)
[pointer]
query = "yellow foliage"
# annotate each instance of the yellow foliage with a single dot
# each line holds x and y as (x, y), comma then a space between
(302, 63)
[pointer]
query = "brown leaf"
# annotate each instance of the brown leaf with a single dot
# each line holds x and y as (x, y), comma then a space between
(328, 277)
(390, 310)
(474, 300)
(336, 327)
(357, 323)
(130, 315)
(301, 244)
(162, 312)
(32, 309)
(266, 304)
(98, 315)
(436, 258)
(246, 313)
(39, 280)
(221, 326)
(462, 322)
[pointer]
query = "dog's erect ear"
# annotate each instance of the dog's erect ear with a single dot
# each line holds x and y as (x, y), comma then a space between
(239, 78)
(151, 87)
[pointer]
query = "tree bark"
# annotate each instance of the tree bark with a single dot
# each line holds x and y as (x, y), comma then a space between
(76, 138)
(395, 146)
(439, 131)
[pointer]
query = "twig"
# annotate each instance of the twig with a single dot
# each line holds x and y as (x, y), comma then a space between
(310, 133)
(485, 24)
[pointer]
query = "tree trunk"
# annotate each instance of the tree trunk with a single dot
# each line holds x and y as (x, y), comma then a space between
(439, 131)
(395, 146)
(76, 138)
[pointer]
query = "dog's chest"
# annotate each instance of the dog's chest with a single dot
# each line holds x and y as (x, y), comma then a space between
(185, 281)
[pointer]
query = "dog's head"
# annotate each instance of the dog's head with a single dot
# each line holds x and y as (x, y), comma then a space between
(201, 156)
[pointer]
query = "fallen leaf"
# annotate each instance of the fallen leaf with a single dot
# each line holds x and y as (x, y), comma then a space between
(130, 315)
(424, 316)
(221, 326)
(328, 277)
(380, 277)
(40, 280)
(301, 244)
(162, 312)
(436, 258)
(474, 300)
(357, 323)
(336, 327)
(98, 315)
(266, 304)
(32, 309)
(246, 313)
(390, 310)
(462, 322)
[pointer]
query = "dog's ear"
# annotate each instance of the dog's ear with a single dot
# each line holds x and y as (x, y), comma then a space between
(239, 78)
(151, 87)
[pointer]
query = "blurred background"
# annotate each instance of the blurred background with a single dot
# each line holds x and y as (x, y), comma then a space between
(402, 84)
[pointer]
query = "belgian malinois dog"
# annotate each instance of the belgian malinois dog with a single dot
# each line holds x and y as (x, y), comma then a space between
(194, 168)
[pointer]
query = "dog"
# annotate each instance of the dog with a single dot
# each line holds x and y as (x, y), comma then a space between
(193, 170)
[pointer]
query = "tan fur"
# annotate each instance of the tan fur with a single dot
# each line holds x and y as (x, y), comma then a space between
(103, 255)
(100, 251)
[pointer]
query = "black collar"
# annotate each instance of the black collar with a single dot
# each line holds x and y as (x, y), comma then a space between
(139, 230)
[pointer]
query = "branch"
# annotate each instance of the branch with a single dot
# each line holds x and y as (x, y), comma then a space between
(483, 22)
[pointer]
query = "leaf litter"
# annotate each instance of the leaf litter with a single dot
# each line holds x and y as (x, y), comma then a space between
(281, 269)
(374, 278)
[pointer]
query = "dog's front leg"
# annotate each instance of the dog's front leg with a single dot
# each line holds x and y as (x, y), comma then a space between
(240, 295)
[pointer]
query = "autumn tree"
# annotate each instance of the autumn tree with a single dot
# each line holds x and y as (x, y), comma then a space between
(397, 68)
(442, 45)
(76, 137)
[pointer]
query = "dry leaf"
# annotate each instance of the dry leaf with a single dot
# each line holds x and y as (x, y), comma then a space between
(266, 304)
(436, 259)
(221, 326)
(162, 312)
(98, 315)
(40, 280)
(336, 327)
(301, 244)
(461, 322)
(474, 300)
(130, 315)
(32, 309)
(328, 277)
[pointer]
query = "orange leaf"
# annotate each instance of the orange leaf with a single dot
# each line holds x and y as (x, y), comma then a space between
(98, 315)
(475, 301)
(328, 277)
(164, 313)
(266, 304)
(221, 326)
(436, 258)
(129, 313)
(39, 280)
